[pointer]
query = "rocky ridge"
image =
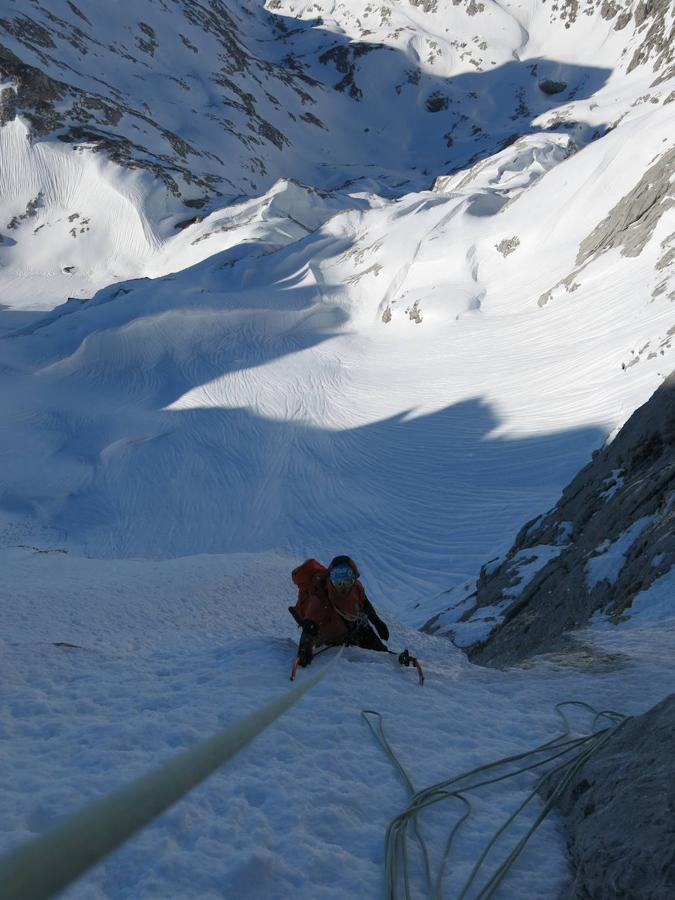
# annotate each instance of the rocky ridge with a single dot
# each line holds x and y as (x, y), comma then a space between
(609, 538)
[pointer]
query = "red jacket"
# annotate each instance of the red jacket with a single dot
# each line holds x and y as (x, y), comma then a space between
(321, 603)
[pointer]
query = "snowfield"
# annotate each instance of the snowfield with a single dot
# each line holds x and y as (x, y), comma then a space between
(112, 667)
(290, 279)
(318, 386)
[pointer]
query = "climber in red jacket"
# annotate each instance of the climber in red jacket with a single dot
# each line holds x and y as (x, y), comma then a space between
(332, 608)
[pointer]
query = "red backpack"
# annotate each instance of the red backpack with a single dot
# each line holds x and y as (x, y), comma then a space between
(303, 576)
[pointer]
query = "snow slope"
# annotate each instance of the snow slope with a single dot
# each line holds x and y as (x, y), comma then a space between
(112, 667)
(231, 338)
(339, 384)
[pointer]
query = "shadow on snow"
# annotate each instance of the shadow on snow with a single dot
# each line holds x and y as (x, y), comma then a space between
(419, 501)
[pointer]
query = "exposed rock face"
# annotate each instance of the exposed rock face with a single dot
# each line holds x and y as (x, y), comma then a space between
(629, 227)
(7, 105)
(345, 61)
(508, 245)
(611, 535)
(552, 87)
(436, 102)
(631, 223)
(658, 44)
(620, 813)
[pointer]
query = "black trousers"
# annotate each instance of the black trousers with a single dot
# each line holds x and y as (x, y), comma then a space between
(364, 636)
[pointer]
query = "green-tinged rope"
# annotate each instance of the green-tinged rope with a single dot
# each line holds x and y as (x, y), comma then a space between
(576, 750)
(595, 742)
(573, 766)
(47, 864)
(393, 827)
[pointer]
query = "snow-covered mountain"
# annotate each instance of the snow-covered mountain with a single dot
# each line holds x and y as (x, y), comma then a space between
(292, 279)
(337, 361)
(200, 104)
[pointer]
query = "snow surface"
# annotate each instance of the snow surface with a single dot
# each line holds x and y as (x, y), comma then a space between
(111, 667)
(256, 400)
(377, 340)
(239, 390)
(655, 606)
(611, 557)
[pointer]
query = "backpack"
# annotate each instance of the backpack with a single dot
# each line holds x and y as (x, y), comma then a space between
(303, 577)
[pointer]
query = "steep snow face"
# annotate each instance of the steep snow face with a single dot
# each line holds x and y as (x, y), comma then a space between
(110, 668)
(194, 92)
(75, 221)
(405, 356)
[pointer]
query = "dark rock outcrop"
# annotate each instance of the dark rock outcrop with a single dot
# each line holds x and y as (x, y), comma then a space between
(611, 535)
(620, 813)
(552, 87)
(631, 223)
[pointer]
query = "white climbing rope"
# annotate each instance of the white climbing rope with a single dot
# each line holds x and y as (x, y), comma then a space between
(47, 864)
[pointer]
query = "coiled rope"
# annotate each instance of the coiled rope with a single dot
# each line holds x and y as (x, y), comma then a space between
(576, 750)
(46, 865)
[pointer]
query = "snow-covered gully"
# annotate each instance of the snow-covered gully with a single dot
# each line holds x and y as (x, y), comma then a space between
(114, 666)
(282, 279)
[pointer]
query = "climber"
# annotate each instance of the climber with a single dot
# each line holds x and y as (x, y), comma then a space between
(332, 608)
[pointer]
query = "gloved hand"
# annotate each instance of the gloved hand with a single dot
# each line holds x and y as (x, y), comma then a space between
(380, 627)
(306, 645)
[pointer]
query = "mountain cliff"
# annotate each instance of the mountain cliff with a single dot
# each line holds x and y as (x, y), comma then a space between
(607, 548)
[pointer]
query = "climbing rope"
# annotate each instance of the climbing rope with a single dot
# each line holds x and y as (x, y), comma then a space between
(46, 865)
(572, 753)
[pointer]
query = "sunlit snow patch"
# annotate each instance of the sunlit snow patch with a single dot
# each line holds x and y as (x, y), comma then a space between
(607, 565)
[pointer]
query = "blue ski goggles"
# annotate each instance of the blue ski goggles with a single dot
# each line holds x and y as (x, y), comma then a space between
(342, 576)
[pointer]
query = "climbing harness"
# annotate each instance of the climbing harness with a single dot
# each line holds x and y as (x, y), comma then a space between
(353, 619)
(570, 754)
(47, 864)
